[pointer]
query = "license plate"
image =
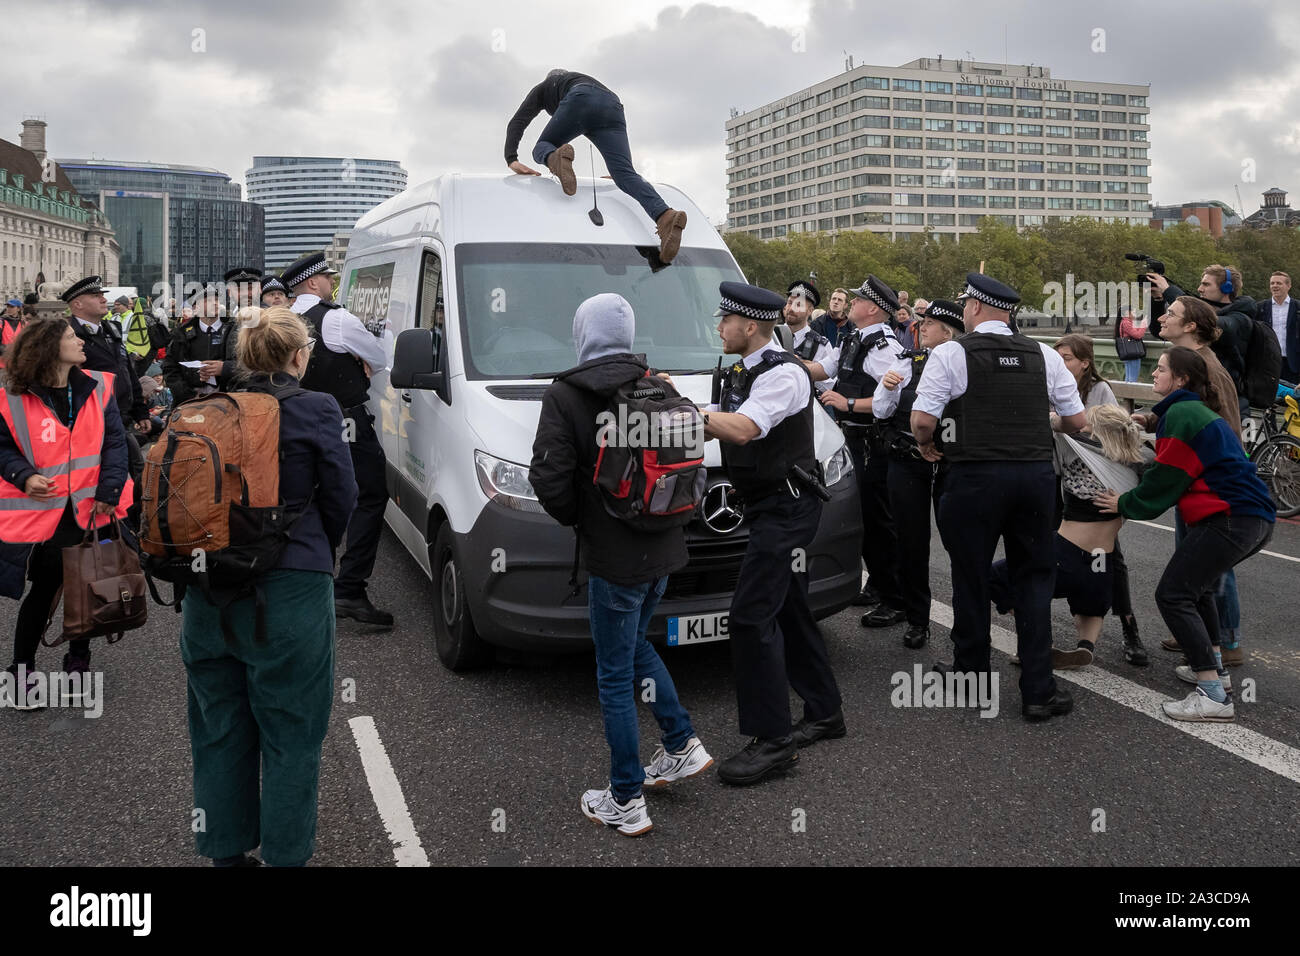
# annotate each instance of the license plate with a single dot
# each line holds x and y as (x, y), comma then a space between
(700, 629)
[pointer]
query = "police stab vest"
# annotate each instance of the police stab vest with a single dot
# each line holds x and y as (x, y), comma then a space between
(850, 380)
(68, 457)
(336, 373)
(812, 341)
(1004, 413)
(760, 467)
(901, 421)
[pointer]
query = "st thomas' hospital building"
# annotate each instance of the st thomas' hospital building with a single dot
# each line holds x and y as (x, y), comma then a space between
(938, 143)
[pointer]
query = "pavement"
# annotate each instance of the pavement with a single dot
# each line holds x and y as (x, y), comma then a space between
(423, 766)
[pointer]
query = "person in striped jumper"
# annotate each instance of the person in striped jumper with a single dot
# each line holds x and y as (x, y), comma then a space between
(1200, 467)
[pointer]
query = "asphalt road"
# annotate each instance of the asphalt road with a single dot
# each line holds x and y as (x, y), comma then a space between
(490, 765)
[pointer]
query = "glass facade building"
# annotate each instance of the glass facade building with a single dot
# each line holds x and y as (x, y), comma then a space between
(939, 144)
(172, 220)
(310, 198)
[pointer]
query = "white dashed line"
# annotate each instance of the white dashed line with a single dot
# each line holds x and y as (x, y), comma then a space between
(387, 793)
(1165, 527)
(1239, 741)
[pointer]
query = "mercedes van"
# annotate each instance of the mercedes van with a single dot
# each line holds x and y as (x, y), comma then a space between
(471, 282)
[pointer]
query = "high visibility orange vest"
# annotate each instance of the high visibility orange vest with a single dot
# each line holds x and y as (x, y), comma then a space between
(70, 459)
(7, 335)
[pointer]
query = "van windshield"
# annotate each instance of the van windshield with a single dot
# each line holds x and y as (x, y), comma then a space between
(517, 303)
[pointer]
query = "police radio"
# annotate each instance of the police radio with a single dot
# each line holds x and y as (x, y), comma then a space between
(715, 396)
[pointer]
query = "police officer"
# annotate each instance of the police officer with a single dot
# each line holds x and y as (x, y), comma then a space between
(989, 393)
(243, 289)
(207, 338)
(913, 482)
(862, 359)
(809, 344)
(273, 292)
(342, 361)
(765, 425)
(105, 352)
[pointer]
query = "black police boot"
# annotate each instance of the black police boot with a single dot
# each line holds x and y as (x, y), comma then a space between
(867, 597)
(759, 759)
(916, 637)
(1060, 705)
(1135, 651)
(360, 609)
(828, 728)
(882, 615)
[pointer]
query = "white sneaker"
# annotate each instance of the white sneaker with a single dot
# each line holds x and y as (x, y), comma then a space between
(630, 819)
(1198, 707)
(666, 767)
(1188, 675)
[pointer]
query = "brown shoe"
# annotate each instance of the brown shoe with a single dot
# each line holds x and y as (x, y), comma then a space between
(1234, 657)
(1069, 660)
(560, 163)
(670, 226)
(1169, 644)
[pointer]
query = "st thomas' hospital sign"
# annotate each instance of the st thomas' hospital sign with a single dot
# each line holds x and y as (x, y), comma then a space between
(979, 78)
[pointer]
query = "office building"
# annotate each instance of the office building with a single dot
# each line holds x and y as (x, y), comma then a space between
(939, 144)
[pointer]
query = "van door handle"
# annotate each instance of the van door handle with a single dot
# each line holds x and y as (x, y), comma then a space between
(406, 397)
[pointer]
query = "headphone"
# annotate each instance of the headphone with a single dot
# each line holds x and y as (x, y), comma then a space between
(1227, 287)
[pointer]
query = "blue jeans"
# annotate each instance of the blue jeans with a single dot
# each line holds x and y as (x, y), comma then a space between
(589, 111)
(1226, 601)
(1132, 369)
(624, 662)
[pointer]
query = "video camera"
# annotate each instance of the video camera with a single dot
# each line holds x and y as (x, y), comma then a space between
(1146, 265)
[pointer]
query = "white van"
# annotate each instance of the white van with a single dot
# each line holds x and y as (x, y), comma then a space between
(472, 282)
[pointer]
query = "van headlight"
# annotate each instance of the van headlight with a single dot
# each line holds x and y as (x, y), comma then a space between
(506, 483)
(838, 466)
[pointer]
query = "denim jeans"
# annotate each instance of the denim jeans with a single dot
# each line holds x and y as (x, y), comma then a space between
(1132, 369)
(625, 661)
(1185, 594)
(1226, 602)
(589, 111)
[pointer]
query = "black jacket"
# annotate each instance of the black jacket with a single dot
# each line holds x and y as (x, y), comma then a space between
(106, 353)
(546, 95)
(189, 344)
(1291, 347)
(1236, 322)
(16, 469)
(564, 461)
(315, 466)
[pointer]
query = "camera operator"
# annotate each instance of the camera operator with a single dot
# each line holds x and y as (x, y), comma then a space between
(1221, 287)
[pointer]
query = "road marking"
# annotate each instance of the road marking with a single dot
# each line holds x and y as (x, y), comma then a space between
(1239, 741)
(387, 793)
(1271, 554)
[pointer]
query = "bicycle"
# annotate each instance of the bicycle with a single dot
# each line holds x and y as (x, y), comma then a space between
(1276, 454)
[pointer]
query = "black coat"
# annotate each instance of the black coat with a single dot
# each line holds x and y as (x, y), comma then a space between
(564, 461)
(1291, 352)
(189, 344)
(16, 469)
(546, 95)
(105, 352)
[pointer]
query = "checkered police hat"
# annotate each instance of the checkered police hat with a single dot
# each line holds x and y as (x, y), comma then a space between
(879, 293)
(949, 313)
(87, 286)
(243, 274)
(805, 289)
(990, 291)
(296, 273)
(749, 301)
(273, 284)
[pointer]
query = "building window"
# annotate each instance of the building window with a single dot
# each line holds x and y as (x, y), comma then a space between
(909, 219)
(938, 142)
(970, 145)
(907, 142)
(938, 126)
(1002, 202)
(970, 202)
(1029, 112)
(938, 106)
(938, 86)
(942, 199)
(909, 199)
(1031, 202)
(968, 126)
(970, 89)
(970, 109)
(870, 83)
(910, 86)
(907, 122)
(907, 162)
(911, 105)
(942, 219)
(1000, 146)
(1082, 97)
(1030, 129)
(1087, 186)
(1086, 132)
(1137, 101)
(1028, 93)
(1031, 149)
(1060, 185)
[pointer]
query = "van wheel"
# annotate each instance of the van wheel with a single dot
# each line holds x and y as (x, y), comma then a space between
(457, 642)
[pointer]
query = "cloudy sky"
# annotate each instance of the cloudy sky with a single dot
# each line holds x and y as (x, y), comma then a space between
(432, 84)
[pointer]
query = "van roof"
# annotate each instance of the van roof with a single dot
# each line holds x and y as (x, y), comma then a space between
(460, 207)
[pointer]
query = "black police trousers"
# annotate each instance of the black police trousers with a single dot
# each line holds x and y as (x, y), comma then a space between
(879, 541)
(1012, 500)
(913, 485)
(367, 521)
(775, 643)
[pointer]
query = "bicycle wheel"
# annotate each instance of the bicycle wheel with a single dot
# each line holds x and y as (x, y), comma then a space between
(1278, 461)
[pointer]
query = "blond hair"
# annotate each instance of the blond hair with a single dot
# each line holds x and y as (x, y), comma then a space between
(1120, 436)
(268, 340)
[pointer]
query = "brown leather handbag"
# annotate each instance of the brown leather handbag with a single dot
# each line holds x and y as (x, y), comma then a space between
(103, 588)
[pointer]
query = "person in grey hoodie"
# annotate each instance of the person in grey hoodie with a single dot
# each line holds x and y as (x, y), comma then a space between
(627, 568)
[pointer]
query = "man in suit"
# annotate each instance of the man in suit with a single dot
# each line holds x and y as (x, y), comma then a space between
(1282, 313)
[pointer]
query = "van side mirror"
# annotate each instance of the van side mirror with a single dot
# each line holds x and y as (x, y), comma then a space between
(414, 362)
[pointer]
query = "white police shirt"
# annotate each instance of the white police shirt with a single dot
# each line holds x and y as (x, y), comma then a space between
(344, 333)
(944, 377)
(776, 394)
(884, 402)
(822, 352)
(874, 361)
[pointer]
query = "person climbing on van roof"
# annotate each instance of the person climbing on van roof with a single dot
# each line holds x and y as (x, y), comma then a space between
(580, 105)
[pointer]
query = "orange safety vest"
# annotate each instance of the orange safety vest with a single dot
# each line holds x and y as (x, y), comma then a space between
(7, 335)
(70, 459)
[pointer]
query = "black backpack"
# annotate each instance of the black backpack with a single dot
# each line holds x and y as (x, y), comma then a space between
(1263, 364)
(650, 455)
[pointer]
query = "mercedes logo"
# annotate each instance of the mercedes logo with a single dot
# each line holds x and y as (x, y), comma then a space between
(720, 510)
